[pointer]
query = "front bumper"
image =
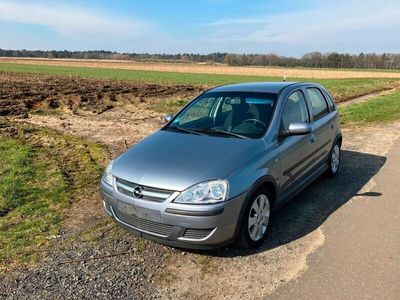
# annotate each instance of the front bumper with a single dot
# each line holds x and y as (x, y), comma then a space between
(178, 225)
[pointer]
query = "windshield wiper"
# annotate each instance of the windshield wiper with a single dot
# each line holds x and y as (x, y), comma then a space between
(177, 128)
(212, 130)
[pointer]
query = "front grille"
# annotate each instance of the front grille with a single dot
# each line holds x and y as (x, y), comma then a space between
(143, 224)
(148, 193)
(197, 234)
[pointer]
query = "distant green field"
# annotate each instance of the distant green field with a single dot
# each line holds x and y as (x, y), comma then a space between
(341, 89)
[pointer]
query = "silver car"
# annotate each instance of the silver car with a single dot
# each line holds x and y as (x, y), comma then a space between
(219, 168)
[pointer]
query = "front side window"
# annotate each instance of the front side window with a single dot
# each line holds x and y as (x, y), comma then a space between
(199, 109)
(230, 114)
(319, 106)
(295, 110)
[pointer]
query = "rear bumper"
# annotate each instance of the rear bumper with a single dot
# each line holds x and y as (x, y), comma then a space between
(179, 225)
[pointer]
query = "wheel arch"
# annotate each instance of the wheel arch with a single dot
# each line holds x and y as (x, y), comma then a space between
(263, 182)
(339, 139)
(271, 187)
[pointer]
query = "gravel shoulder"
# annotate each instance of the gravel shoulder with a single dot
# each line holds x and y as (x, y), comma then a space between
(103, 263)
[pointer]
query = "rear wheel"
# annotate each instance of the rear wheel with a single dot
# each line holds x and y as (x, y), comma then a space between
(254, 227)
(334, 160)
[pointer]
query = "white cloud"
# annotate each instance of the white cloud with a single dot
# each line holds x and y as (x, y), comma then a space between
(326, 28)
(73, 22)
(235, 22)
(317, 25)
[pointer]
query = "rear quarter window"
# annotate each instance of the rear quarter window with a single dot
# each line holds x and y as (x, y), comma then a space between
(329, 99)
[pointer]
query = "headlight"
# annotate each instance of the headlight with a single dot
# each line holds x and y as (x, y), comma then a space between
(204, 193)
(107, 176)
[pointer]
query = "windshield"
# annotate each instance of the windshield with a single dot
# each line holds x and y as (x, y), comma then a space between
(234, 114)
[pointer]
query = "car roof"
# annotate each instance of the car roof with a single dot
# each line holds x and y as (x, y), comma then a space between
(259, 87)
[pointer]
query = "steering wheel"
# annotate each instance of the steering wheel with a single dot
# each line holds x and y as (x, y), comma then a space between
(255, 122)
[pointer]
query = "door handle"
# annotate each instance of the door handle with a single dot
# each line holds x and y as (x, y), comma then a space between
(312, 138)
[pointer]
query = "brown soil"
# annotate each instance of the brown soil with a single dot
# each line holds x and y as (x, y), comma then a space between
(118, 128)
(22, 93)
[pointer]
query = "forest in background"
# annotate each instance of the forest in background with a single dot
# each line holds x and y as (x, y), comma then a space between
(309, 60)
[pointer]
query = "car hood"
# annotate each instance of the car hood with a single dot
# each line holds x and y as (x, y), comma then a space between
(176, 161)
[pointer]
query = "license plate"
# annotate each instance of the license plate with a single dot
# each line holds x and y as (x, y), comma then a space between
(144, 213)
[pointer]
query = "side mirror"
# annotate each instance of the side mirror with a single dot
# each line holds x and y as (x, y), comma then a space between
(168, 118)
(296, 129)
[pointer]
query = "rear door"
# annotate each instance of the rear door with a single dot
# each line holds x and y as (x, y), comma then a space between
(294, 150)
(322, 124)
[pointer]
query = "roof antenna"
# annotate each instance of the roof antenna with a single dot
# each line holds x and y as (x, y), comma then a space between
(284, 78)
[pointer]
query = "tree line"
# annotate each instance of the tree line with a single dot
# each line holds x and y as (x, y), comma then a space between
(309, 60)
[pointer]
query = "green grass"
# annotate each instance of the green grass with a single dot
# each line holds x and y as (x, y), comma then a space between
(42, 173)
(341, 89)
(33, 199)
(134, 75)
(380, 109)
(344, 89)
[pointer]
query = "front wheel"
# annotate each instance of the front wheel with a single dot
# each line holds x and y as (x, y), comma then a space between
(254, 227)
(334, 160)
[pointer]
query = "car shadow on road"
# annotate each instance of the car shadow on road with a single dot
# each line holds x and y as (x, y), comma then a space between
(309, 209)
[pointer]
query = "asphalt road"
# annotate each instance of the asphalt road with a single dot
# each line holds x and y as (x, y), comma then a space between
(360, 258)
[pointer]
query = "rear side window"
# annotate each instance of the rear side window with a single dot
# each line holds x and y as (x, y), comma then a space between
(330, 101)
(295, 110)
(318, 102)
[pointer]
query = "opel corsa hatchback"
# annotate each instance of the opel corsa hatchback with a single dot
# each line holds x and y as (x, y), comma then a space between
(217, 170)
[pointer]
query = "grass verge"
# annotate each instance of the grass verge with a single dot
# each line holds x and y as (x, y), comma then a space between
(42, 173)
(341, 89)
(380, 109)
(33, 200)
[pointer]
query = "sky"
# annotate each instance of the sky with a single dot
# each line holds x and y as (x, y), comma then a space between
(284, 27)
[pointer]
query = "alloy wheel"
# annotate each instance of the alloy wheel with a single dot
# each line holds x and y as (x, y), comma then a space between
(258, 217)
(335, 159)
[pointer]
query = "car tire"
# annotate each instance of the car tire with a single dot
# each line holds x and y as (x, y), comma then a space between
(249, 237)
(334, 160)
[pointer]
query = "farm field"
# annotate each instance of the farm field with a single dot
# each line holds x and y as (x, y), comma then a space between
(342, 88)
(76, 118)
(199, 68)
